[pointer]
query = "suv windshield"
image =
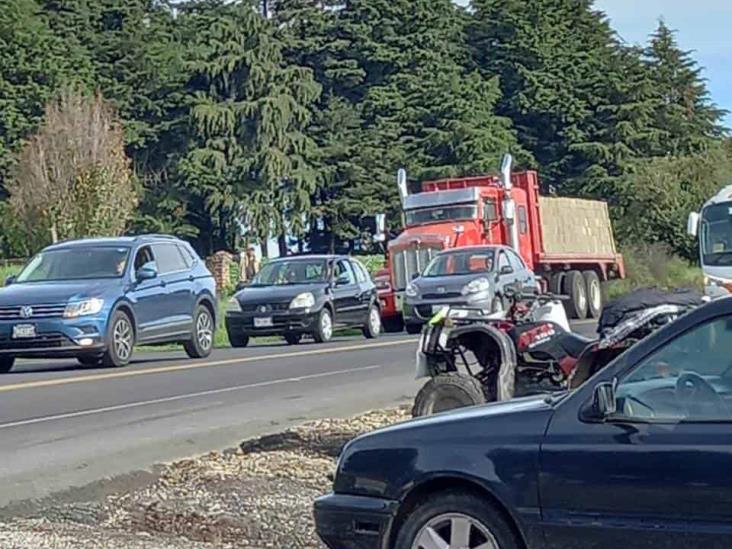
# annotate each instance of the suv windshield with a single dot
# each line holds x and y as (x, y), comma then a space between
(76, 264)
(460, 263)
(716, 241)
(435, 215)
(298, 271)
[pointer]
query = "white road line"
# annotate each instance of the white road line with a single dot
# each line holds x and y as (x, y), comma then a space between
(140, 404)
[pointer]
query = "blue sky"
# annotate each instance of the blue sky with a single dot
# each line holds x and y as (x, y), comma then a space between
(703, 26)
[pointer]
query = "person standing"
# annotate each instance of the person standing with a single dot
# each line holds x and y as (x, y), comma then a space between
(248, 265)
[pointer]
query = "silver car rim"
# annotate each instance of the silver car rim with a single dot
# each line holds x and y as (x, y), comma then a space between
(122, 337)
(454, 531)
(204, 331)
(375, 320)
(326, 325)
(595, 295)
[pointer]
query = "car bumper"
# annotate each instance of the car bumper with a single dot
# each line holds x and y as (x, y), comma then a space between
(354, 522)
(283, 322)
(423, 310)
(55, 338)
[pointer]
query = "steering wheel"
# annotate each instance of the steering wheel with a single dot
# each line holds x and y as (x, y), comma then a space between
(699, 398)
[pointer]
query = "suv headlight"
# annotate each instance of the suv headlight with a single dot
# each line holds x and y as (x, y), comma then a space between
(233, 306)
(412, 290)
(83, 308)
(303, 301)
(476, 286)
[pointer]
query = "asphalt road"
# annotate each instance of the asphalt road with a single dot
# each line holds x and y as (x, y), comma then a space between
(63, 426)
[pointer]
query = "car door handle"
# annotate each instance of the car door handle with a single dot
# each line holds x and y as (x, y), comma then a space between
(163, 283)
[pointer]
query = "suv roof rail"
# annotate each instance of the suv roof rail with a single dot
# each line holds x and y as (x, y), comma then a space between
(155, 235)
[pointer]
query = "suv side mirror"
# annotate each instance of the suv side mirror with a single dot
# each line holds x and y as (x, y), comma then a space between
(604, 403)
(146, 272)
(506, 270)
(692, 224)
(9, 280)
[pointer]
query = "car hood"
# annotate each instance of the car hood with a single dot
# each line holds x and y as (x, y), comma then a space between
(453, 283)
(48, 293)
(277, 294)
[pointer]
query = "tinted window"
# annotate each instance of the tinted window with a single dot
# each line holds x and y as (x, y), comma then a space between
(689, 379)
(361, 274)
(434, 215)
(523, 227)
(515, 261)
(502, 261)
(76, 264)
(490, 213)
(298, 271)
(168, 258)
(143, 257)
(343, 269)
(461, 263)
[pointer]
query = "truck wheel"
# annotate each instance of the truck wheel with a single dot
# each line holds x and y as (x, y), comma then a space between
(456, 518)
(393, 324)
(324, 329)
(414, 329)
(574, 287)
(372, 328)
(594, 294)
(120, 341)
(447, 392)
(556, 283)
(6, 364)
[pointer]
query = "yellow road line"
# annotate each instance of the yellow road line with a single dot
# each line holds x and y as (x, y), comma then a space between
(194, 366)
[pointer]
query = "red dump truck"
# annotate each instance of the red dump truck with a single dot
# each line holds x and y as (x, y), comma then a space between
(567, 242)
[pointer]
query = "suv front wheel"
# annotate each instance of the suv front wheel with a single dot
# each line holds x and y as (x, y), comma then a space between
(202, 335)
(120, 341)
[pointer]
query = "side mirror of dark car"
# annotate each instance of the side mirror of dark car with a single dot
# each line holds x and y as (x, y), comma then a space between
(604, 403)
(506, 270)
(146, 272)
(10, 280)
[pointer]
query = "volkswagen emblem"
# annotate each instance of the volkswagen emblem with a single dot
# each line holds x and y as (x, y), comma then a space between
(26, 312)
(262, 308)
(441, 290)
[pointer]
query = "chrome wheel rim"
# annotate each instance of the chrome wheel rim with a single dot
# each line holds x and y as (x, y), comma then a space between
(595, 295)
(204, 330)
(122, 338)
(375, 320)
(454, 531)
(326, 325)
(582, 300)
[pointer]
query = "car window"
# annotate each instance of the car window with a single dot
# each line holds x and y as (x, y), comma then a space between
(515, 261)
(361, 274)
(188, 258)
(343, 268)
(460, 262)
(76, 263)
(502, 261)
(143, 257)
(168, 258)
(689, 379)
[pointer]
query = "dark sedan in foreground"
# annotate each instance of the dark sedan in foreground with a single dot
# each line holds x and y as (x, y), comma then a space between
(637, 457)
(304, 295)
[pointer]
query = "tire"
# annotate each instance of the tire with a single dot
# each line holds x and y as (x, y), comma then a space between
(447, 392)
(556, 283)
(293, 339)
(120, 341)
(6, 364)
(393, 324)
(89, 361)
(324, 329)
(414, 329)
(238, 341)
(202, 334)
(372, 328)
(593, 289)
(439, 511)
(574, 287)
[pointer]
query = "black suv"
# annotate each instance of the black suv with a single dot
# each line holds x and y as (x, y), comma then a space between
(304, 295)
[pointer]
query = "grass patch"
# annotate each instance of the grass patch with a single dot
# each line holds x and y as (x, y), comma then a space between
(650, 265)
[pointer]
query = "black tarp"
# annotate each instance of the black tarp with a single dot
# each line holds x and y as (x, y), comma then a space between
(630, 304)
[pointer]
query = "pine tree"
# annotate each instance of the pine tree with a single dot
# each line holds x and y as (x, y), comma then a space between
(248, 164)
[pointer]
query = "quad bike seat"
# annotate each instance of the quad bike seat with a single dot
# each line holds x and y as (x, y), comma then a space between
(574, 344)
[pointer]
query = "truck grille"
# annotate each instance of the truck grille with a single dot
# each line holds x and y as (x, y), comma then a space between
(408, 262)
(36, 312)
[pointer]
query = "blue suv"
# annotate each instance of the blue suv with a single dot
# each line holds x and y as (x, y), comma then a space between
(95, 299)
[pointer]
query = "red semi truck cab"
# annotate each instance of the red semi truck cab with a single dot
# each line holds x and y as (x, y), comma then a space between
(562, 240)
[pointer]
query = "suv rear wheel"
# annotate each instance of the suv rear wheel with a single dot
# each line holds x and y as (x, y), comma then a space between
(202, 336)
(120, 341)
(456, 519)
(6, 364)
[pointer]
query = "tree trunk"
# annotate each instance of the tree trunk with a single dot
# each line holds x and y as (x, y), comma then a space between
(282, 242)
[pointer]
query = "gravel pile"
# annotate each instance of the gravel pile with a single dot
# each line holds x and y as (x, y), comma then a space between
(256, 496)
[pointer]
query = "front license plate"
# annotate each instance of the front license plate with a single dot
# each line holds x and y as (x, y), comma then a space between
(265, 322)
(24, 331)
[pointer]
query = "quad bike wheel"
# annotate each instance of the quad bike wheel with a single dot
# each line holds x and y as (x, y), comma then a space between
(447, 392)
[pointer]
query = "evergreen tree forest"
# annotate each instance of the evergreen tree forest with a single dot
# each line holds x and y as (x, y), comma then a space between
(246, 120)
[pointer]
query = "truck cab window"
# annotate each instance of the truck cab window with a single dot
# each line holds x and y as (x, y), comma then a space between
(490, 212)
